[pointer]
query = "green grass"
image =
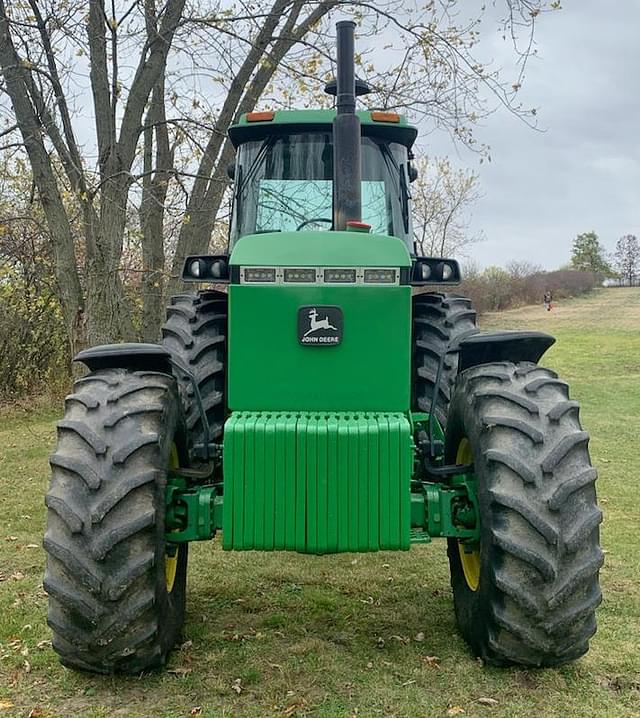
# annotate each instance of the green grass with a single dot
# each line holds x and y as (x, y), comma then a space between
(338, 635)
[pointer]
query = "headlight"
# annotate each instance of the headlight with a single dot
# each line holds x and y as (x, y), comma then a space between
(447, 272)
(424, 271)
(196, 268)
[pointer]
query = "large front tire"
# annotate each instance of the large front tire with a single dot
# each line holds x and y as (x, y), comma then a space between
(116, 594)
(527, 593)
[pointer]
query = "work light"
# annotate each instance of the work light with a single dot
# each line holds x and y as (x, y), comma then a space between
(340, 276)
(299, 275)
(259, 275)
(380, 276)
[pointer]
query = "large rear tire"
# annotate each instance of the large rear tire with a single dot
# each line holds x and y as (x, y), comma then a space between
(116, 595)
(195, 333)
(527, 593)
(437, 320)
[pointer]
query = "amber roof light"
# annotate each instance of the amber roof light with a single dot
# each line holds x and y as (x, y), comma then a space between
(260, 116)
(385, 116)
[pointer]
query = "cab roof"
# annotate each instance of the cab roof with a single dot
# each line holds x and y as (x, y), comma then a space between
(284, 122)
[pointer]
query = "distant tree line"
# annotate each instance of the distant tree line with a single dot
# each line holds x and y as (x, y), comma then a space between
(622, 267)
(519, 283)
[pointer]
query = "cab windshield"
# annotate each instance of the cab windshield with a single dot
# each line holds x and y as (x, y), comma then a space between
(285, 183)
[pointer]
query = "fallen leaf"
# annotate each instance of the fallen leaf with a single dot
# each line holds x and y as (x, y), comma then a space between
(408, 683)
(17, 576)
(27, 667)
(196, 711)
(36, 712)
(370, 665)
(419, 637)
(405, 640)
(33, 545)
(179, 671)
(43, 644)
(380, 642)
(11, 538)
(186, 645)
(455, 711)
(432, 661)
(5, 705)
(237, 686)
(299, 705)
(487, 701)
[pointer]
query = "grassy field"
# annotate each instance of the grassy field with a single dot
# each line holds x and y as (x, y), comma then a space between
(348, 635)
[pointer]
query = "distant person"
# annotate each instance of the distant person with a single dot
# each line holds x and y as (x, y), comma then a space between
(547, 300)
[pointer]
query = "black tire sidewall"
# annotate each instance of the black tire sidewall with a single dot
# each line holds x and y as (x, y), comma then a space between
(171, 606)
(472, 608)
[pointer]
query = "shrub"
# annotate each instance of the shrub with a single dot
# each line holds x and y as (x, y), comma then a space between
(32, 336)
(496, 289)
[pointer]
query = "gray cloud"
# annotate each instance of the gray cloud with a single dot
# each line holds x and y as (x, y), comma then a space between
(583, 171)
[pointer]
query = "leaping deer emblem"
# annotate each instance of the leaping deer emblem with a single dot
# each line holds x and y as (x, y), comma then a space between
(316, 324)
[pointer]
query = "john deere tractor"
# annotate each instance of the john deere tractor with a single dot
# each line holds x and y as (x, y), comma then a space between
(334, 398)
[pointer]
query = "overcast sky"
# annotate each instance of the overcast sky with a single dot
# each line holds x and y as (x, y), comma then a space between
(583, 172)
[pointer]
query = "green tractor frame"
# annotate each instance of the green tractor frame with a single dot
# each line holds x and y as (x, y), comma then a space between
(333, 399)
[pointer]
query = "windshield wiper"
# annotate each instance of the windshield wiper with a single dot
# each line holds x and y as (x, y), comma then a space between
(404, 197)
(257, 161)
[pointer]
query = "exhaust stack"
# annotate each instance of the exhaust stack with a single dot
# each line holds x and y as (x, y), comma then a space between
(347, 202)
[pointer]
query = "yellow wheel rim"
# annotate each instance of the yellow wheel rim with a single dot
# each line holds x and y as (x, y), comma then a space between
(171, 555)
(469, 553)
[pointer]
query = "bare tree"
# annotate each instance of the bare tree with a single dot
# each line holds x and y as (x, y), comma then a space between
(442, 198)
(44, 118)
(627, 257)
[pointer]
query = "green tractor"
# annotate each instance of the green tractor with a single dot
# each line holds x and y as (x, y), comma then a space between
(333, 399)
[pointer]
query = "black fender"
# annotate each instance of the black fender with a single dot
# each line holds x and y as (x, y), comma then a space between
(514, 346)
(132, 356)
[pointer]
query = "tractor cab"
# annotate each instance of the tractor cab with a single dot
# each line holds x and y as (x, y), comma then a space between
(284, 174)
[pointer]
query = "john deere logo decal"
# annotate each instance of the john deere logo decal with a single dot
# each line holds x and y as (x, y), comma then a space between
(320, 326)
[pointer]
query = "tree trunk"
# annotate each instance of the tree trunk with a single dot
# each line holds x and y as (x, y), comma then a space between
(154, 194)
(70, 291)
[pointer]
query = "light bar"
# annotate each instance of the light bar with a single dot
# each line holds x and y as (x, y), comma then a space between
(320, 275)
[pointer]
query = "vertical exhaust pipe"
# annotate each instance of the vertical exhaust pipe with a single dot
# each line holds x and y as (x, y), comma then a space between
(347, 202)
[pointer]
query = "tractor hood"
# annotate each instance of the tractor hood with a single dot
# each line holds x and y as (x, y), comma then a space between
(319, 321)
(315, 249)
